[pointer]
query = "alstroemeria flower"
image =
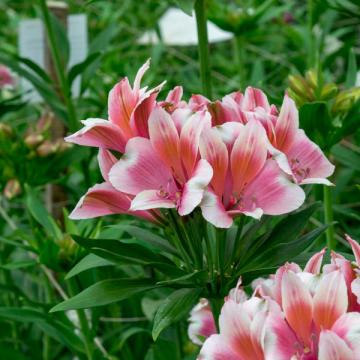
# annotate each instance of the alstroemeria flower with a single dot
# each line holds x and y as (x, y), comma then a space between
(245, 180)
(202, 324)
(129, 109)
(350, 271)
(313, 326)
(165, 171)
(303, 159)
(241, 332)
(103, 199)
(6, 79)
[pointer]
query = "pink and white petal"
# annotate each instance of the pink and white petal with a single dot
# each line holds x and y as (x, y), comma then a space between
(297, 305)
(332, 347)
(286, 125)
(309, 164)
(101, 199)
(330, 300)
(151, 199)
(99, 133)
(140, 168)
(140, 116)
(355, 289)
(347, 327)
(165, 140)
(214, 212)
(253, 99)
(272, 191)
(194, 188)
(248, 155)
(106, 161)
(190, 138)
(235, 326)
(174, 96)
(216, 347)
(279, 340)
(140, 75)
(121, 103)
(355, 246)
(229, 132)
(314, 264)
(215, 152)
(180, 117)
(198, 103)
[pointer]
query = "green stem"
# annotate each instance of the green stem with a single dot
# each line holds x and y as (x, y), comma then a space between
(203, 47)
(84, 326)
(329, 218)
(239, 49)
(60, 73)
(216, 305)
(311, 55)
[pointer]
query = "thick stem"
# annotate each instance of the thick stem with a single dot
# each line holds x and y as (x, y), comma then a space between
(329, 218)
(60, 72)
(203, 47)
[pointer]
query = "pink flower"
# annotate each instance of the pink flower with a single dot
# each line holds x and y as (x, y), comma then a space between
(296, 154)
(202, 323)
(313, 325)
(6, 79)
(129, 109)
(241, 332)
(165, 171)
(103, 199)
(245, 180)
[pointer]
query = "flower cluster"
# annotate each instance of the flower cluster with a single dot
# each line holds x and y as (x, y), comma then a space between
(294, 315)
(236, 156)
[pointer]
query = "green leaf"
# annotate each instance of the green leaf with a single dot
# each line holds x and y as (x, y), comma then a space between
(52, 327)
(186, 6)
(281, 253)
(115, 250)
(174, 308)
(188, 279)
(346, 157)
(105, 292)
(18, 264)
(316, 122)
(88, 262)
(351, 70)
(40, 214)
(79, 68)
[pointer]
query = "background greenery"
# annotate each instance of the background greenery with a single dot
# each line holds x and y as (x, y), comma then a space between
(272, 41)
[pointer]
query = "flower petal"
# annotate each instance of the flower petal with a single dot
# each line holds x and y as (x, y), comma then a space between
(165, 139)
(355, 248)
(355, 288)
(174, 96)
(214, 212)
(330, 300)
(253, 99)
(279, 340)
(134, 172)
(106, 161)
(99, 133)
(194, 188)
(215, 152)
(151, 199)
(190, 138)
(297, 305)
(332, 347)
(121, 103)
(308, 163)
(314, 264)
(347, 327)
(272, 192)
(217, 348)
(140, 74)
(286, 125)
(248, 155)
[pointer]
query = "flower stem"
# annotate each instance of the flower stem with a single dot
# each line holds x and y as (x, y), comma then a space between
(216, 305)
(329, 217)
(59, 69)
(203, 47)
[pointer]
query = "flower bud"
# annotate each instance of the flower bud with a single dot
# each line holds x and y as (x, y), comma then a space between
(345, 100)
(46, 148)
(328, 91)
(33, 140)
(12, 189)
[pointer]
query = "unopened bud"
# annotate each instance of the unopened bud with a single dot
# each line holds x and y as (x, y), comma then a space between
(312, 78)
(33, 140)
(328, 91)
(346, 99)
(12, 189)
(46, 148)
